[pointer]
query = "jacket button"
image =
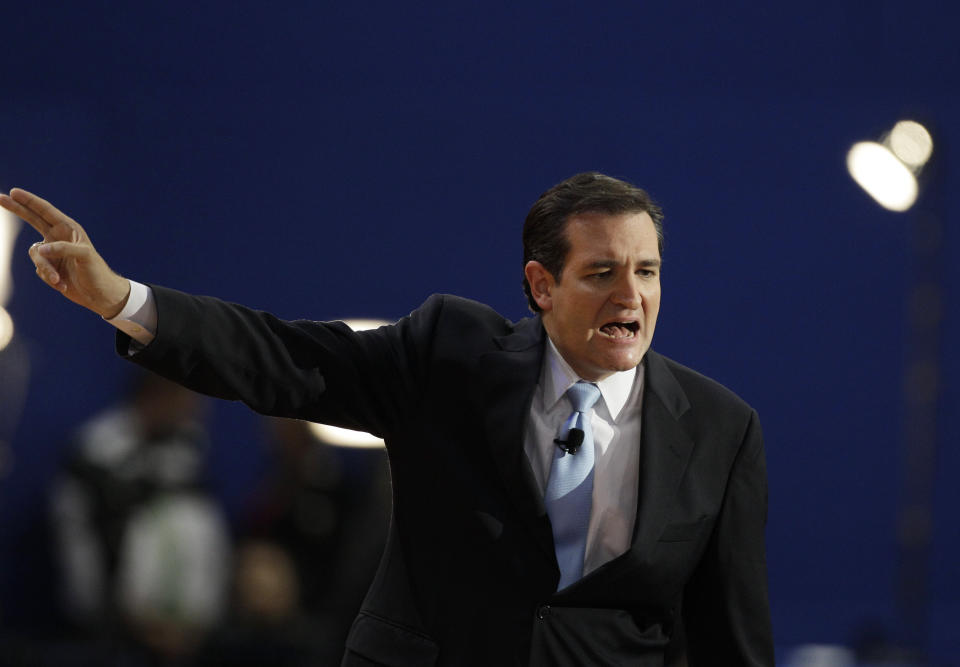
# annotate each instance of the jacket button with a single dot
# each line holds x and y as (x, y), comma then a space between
(543, 611)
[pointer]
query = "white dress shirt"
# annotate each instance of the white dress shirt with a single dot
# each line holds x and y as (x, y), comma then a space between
(138, 319)
(615, 420)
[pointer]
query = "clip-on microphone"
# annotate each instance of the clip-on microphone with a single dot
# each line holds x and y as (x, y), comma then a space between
(572, 444)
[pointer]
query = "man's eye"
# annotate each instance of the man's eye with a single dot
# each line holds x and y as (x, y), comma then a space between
(602, 275)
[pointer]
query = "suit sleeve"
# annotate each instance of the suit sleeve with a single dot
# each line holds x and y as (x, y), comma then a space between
(726, 610)
(319, 371)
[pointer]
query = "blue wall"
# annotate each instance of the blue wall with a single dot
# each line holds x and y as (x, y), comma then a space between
(330, 160)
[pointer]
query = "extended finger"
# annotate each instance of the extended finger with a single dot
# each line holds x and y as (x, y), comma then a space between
(46, 213)
(18, 209)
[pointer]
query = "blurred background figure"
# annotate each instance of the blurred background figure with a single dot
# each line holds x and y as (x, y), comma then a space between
(143, 550)
(311, 540)
(266, 625)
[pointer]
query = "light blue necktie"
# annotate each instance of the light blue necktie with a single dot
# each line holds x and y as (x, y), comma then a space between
(569, 494)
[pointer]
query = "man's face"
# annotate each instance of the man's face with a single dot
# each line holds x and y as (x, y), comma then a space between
(602, 313)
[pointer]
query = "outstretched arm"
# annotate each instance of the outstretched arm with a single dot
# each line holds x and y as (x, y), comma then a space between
(66, 259)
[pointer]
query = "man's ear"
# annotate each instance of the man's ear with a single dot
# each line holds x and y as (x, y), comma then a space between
(541, 284)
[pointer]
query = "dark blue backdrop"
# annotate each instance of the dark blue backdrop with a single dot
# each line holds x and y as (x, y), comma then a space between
(347, 159)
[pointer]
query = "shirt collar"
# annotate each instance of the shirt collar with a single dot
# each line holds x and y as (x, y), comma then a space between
(558, 377)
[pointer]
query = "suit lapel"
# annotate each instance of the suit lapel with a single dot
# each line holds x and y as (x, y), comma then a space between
(509, 376)
(665, 450)
(664, 453)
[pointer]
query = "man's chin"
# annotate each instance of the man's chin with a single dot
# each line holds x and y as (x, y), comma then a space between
(615, 365)
(627, 360)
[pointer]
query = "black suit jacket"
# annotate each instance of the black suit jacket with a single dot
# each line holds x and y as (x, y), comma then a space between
(469, 575)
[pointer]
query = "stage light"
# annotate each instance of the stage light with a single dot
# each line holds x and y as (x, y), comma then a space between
(885, 178)
(887, 170)
(911, 143)
(9, 228)
(6, 328)
(344, 437)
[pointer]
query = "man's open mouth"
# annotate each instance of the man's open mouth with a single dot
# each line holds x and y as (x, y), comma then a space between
(620, 329)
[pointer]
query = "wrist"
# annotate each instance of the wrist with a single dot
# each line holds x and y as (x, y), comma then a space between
(117, 298)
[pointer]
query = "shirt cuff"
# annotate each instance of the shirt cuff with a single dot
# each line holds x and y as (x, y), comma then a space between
(138, 319)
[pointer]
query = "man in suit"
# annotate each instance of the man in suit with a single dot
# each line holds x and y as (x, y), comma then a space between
(563, 495)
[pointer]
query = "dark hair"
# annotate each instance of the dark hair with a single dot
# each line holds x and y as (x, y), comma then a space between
(545, 229)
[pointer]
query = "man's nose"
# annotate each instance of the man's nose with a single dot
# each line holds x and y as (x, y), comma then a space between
(628, 292)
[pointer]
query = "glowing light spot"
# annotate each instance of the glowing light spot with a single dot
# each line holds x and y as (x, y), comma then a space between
(365, 324)
(9, 228)
(344, 437)
(885, 178)
(6, 328)
(910, 141)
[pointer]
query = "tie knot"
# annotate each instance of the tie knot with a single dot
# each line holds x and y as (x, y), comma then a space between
(583, 395)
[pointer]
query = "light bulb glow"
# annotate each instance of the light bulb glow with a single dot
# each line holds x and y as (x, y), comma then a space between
(885, 178)
(9, 228)
(344, 437)
(911, 142)
(6, 328)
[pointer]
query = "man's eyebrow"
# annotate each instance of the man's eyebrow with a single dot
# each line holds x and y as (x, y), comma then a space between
(651, 263)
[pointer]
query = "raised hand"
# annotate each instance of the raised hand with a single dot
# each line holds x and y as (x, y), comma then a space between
(66, 259)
